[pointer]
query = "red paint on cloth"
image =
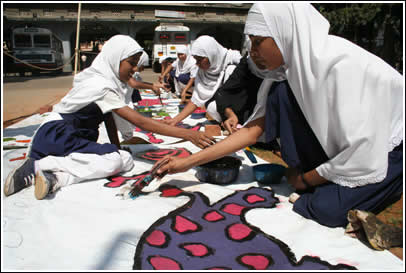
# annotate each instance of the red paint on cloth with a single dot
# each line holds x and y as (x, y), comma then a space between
(183, 225)
(238, 231)
(253, 198)
(197, 250)
(233, 209)
(19, 158)
(164, 263)
(213, 216)
(156, 238)
(257, 262)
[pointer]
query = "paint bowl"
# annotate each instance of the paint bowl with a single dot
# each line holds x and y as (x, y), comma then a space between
(221, 171)
(269, 173)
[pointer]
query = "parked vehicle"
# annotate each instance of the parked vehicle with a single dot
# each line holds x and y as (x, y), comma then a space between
(166, 38)
(36, 46)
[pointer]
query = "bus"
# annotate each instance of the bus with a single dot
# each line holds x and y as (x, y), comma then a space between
(37, 46)
(166, 38)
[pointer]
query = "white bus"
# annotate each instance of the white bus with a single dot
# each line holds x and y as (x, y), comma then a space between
(37, 46)
(166, 38)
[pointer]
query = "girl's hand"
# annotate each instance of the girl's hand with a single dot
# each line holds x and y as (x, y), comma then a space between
(171, 122)
(294, 178)
(231, 124)
(170, 165)
(200, 139)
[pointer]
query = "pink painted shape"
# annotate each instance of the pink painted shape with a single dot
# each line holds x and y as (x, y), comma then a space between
(253, 198)
(171, 192)
(163, 263)
(233, 209)
(156, 238)
(258, 262)
(183, 225)
(213, 216)
(197, 250)
(239, 231)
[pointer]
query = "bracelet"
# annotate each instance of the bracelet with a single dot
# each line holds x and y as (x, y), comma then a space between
(304, 181)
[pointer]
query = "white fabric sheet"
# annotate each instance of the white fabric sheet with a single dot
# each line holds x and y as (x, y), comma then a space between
(86, 227)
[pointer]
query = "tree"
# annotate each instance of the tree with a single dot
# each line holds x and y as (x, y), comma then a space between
(377, 27)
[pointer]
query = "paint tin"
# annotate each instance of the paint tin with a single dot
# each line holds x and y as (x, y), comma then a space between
(221, 171)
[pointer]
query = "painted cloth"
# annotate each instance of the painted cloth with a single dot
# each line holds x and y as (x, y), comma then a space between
(339, 87)
(327, 204)
(208, 81)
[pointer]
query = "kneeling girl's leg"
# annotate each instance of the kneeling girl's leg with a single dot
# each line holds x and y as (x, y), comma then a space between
(330, 203)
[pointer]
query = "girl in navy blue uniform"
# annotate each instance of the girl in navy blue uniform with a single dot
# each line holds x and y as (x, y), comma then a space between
(64, 149)
(340, 119)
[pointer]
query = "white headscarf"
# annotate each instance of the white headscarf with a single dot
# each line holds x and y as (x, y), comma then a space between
(207, 81)
(144, 59)
(351, 99)
(103, 75)
(188, 66)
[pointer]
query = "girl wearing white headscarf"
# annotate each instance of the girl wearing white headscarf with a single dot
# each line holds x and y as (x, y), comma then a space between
(351, 101)
(64, 148)
(221, 63)
(236, 99)
(183, 72)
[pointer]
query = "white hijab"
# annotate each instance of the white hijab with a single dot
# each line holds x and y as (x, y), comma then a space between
(188, 66)
(144, 59)
(207, 81)
(103, 75)
(351, 99)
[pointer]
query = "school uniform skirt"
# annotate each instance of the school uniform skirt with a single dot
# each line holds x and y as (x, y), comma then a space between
(77, 132)
(327, 204)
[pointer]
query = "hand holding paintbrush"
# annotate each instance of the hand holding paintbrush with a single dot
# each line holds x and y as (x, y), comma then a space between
(137, 187)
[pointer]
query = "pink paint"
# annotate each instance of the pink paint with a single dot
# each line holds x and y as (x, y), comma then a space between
(258, 262)
(233, 209)
(213, 216)
(19, 158)
(253, 198)
(171, 192)
(238, 231)
(156, 238)
(197, 250)
(184, 225)
(164, 263)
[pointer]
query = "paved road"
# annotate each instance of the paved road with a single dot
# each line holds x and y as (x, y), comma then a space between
(25, 95)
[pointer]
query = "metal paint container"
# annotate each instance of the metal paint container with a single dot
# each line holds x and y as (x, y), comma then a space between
(221, 171)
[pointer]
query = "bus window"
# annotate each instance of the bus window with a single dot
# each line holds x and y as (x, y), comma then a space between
(42, 41)
(22, 40)
(180, 37)
(164, 37)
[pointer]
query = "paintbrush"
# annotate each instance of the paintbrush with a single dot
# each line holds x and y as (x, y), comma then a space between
(137, 187)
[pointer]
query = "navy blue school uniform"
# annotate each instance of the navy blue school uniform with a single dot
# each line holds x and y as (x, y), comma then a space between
(329, 203)
(76, 132)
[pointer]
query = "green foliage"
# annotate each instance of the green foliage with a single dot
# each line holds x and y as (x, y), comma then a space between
(377, 27)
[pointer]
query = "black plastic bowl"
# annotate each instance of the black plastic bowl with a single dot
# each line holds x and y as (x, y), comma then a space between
(221, 171)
